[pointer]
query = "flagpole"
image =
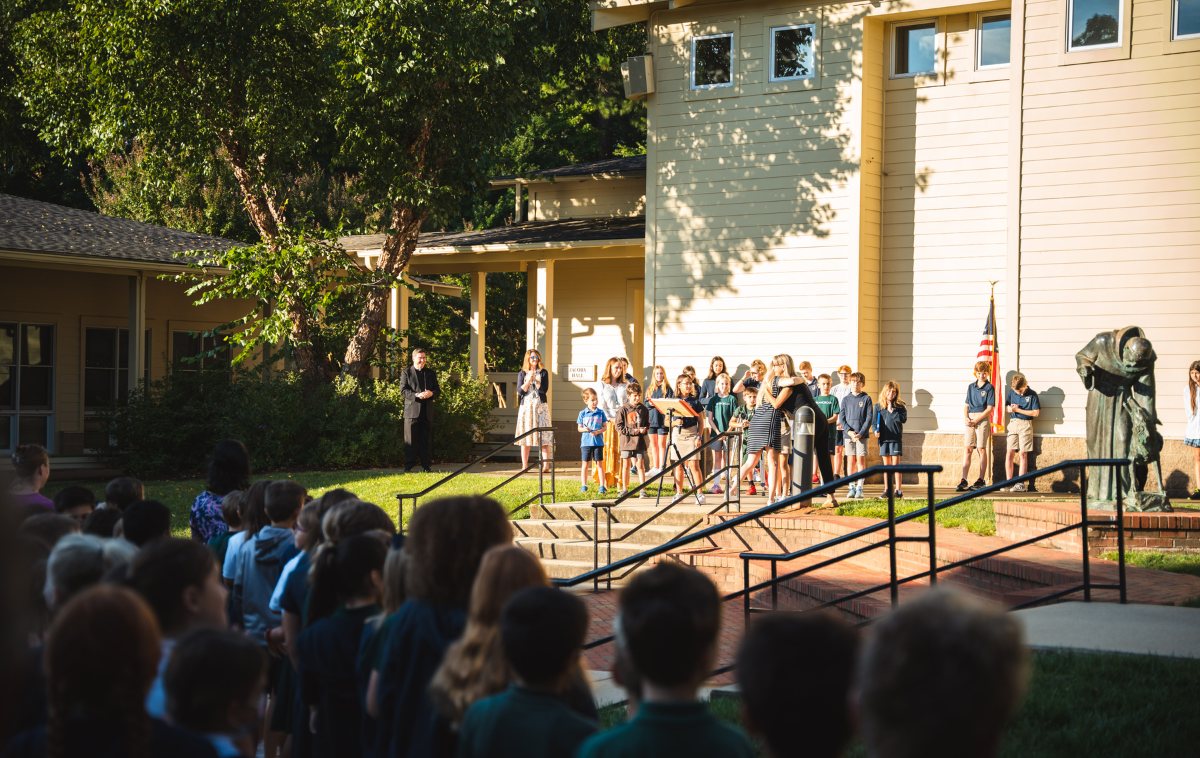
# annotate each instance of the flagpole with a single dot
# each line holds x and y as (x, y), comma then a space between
(995, 377)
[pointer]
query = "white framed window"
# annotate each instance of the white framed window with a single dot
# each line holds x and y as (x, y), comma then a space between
(1185, 19)
(1094, 24)
(915, 49)
(105, 377)
(993, 41)
(792, 55)
(211, 351)
(26, 385)
(712, 61)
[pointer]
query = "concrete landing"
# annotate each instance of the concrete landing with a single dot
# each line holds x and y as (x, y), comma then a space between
(1109, 627)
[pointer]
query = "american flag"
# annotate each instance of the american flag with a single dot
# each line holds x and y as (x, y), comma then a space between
(989, 350)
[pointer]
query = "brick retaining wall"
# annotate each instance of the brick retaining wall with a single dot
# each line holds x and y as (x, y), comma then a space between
(1177, 532)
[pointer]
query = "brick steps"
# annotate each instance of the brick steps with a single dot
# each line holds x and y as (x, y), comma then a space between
(1177, 532)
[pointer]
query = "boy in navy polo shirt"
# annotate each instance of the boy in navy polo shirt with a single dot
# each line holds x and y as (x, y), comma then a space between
(857, 413)
(590, 425)
(1023, 406)
(977, 415)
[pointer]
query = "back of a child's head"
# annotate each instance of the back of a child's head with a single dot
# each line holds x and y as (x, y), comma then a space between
(284, 499)
(73, 497)
(670, 618)
(101, 522)
(395, 589)
(164, 570)
(48, 528)
(344, 572)
(542, 630)
(230, 509)
(123, 492)
(446, 542)
(146, 520)
(210, 671)
(253, 507)
(228, 468)
(776, 684)
(948, 648)
(80, 561)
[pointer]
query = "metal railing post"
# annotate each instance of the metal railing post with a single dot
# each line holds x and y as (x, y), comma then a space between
(608, 536)
(553, 465)
(1120, 535)
(891, 496)
(774, 586)
(931, 507)
(595, 547)
(1083, 523)
(746, 594)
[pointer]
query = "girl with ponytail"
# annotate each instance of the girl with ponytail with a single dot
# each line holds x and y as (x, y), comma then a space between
(347, 587)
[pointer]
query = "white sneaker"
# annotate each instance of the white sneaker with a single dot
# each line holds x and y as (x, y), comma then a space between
(678, 499)
(653, 472)
(1018, 487)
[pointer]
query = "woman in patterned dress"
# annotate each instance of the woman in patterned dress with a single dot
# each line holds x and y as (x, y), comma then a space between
(228, 470)
(610, 391)
(532, 383)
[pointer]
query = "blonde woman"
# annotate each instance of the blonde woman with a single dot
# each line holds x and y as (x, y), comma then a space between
(762, 439)
(779, 393)
(610, 391)
(532, 383)
(1191, 408)
(658, 389)
(801, 398)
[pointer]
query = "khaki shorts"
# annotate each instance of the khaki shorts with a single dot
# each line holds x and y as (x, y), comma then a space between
(1020, 435)
(686, 440)
(980, 436)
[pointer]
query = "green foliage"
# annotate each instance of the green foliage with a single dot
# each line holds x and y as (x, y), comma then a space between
(462, 414)
(1179, 563)
(168, 427)
(974, 515)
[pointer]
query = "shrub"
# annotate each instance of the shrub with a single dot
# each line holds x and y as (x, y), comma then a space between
(170, 425)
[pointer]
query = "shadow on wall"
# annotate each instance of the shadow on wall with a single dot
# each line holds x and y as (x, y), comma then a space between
(802, 158)
(929, 419)
(1052, 414)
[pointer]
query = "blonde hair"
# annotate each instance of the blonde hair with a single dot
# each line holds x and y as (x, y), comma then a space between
(475, 666)
(395, 590)
(1192, 386)
(758, 366)
(983, 366)
(883, 393)
(525, 360)
(588, 392)
(786, 361)
(607, 378)
(654, 383)
(1019, 383)
(726, 377)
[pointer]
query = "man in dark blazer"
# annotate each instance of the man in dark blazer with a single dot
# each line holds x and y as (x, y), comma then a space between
(419, 386)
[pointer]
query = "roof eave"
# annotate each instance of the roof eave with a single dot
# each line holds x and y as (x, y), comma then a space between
(96, 261)
(508, 181)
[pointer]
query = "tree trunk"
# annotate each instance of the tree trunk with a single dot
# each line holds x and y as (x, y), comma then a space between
(393, 259)
(311, 359)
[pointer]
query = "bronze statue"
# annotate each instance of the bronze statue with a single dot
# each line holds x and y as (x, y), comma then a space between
(1117, 368)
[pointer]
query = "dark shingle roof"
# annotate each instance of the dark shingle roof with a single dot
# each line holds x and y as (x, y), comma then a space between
(631, 166)
(34, 226)
(532, 233)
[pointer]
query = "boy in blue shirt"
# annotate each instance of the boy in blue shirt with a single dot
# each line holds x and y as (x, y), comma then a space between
(977, 415)
(670, 619)
(1023, 406)
(590, 425)
(857, 414)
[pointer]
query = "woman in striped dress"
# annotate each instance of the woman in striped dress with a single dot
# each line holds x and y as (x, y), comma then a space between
(610, 393)
(763, 437)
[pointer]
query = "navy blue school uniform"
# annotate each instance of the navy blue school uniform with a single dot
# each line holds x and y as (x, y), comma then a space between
(294, 600)
(889, 425)
(657, 419)
(409, 723)
(328, 652)
(101, 733)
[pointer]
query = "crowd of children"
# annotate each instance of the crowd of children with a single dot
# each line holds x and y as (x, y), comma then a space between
(337, 637)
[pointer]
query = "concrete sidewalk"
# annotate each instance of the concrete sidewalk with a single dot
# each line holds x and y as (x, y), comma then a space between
(1109, 627)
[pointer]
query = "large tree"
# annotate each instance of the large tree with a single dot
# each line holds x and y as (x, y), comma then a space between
(413, 95)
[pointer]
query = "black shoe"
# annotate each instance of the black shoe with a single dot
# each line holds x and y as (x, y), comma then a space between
(962, 486)
(409, 469)
(978, 485)
(1195, 495)
(428, 470)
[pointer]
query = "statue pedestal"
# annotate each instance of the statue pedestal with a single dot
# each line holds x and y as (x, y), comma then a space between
(1135, 502)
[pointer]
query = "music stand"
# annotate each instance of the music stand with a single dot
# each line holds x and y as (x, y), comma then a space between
(672, 406)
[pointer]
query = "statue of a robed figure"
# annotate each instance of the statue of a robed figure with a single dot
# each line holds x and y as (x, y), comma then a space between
(1117, 368)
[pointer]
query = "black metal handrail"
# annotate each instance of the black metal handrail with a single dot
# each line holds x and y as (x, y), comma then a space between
(734, 436)
(930, 510)
(540, 495)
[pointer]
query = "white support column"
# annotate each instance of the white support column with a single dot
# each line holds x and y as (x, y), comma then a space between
(402, 316)
(478, 322)
(544, 323)
(531, 301)
(137, 329)
(518, 209)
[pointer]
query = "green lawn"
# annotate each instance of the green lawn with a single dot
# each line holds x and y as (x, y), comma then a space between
(1179, 563)
(1080, 704)
(378, 487)
(974, 515)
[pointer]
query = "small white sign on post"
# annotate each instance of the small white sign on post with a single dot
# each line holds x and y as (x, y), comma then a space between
(581, 373)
